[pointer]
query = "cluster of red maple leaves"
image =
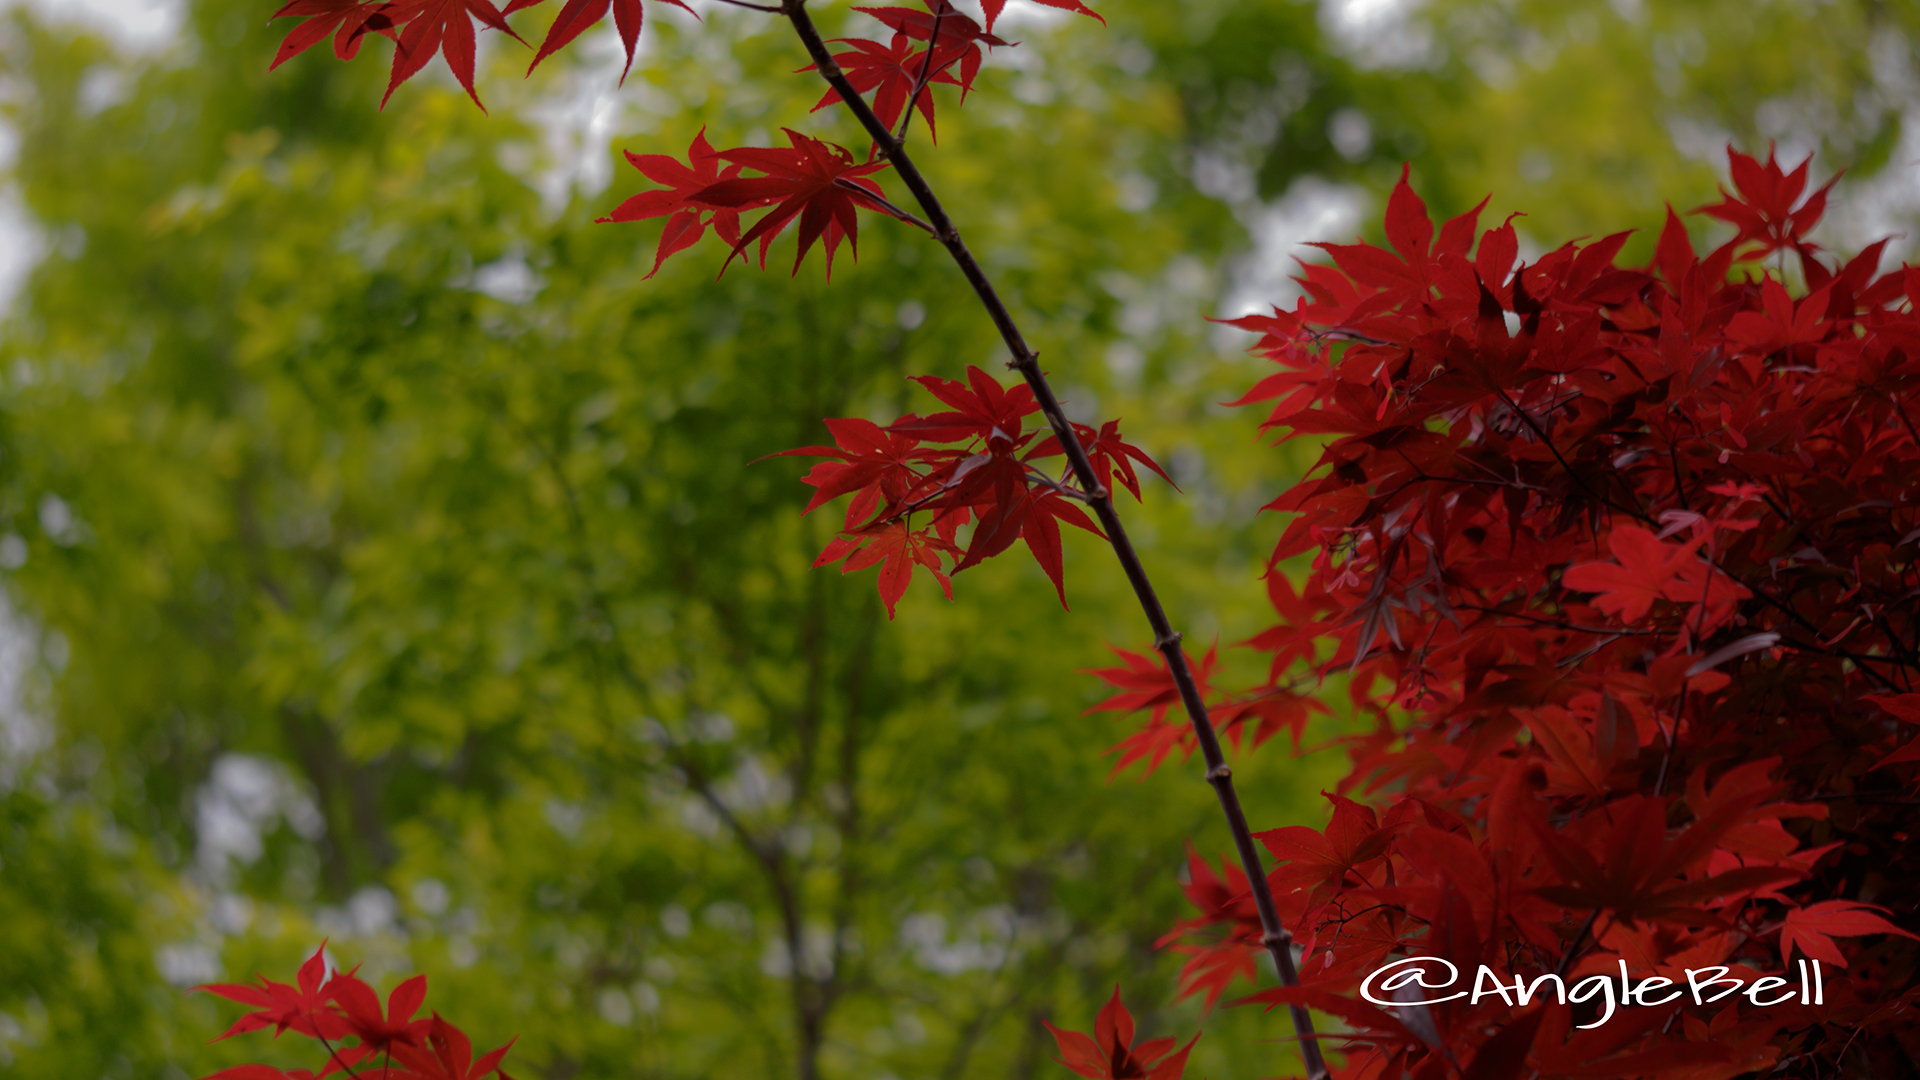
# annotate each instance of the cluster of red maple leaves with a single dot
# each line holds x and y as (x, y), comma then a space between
(984, 476)
(816, 183)
(819, 184)
(1620, 568)
(332, 1007)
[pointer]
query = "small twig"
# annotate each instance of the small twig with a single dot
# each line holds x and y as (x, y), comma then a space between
(1670, 735)
(1900, 411)
(1058, 486)
(334, 1056)
(1859, 659)
(771, 9)
(1567, 467)
(766, 853)
(1573, 947)
(882, 202)
(1556, 624)
(1576, 658)
(1337, 334)
(926, 73)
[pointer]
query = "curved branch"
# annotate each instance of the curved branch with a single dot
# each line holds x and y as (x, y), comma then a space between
(1278, 942)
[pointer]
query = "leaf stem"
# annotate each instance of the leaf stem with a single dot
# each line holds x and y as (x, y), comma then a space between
(334, 1056)
(1274, 936)
(880, 201)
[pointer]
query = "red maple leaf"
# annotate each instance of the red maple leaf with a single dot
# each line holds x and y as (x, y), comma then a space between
(997, 489)
(1765, 210)
(1645, 570)
(1005, 498)
(956, 31)
(897, 550)
(1785, 323)
(380, 1033)
(448, 1055)
(304, 1008)
(577, 15)
(981, 409)
(1110, 1054)
(1623, 863)
(815, 181)
(1299, 382)
(1813, 928)
(994, 7)
(1324, 860)
(1297, 635)
(872, 461)
(895, 70)
(1040, 514)
(1275, 710)
(1224, 900)
(1148, 684)
(686, 221)
(444, 27)
(1106, 451)
(1409, 230)
(349, 21)
(1905, 707)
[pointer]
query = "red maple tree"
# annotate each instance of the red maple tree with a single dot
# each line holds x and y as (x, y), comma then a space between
(1619, 566)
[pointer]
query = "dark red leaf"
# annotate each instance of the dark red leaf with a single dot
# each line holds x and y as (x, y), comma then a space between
(816, 182)
(577, 15)
(439, 27)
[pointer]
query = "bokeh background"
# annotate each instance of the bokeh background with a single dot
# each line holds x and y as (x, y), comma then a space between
(367, 521)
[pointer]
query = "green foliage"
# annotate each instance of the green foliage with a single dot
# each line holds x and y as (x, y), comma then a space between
(79, 911)
(1577, 113)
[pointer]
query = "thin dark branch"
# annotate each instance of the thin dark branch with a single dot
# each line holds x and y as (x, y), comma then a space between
(1863, 796)
(1278, 941)
(1577, 658)
(1420, 477)
(1527, 418)
(1556, 623)
(847, 817)
(766, 853)
(1860, 660)
(1059, 487)
(1573, 947)
(920, 80)
(334, 1056)
(771, 9)
(1901, 411)
(1335, 333)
